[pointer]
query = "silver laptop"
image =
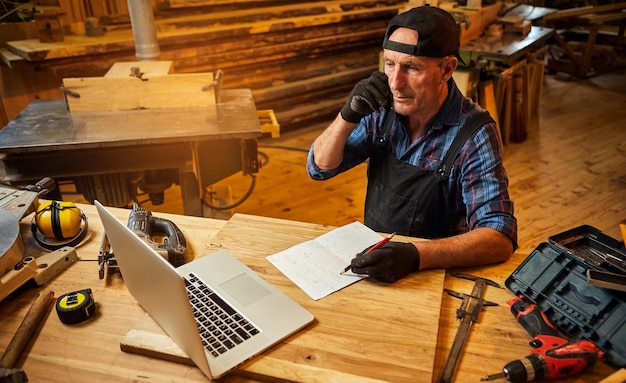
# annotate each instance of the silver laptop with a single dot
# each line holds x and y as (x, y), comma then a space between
(238, 313)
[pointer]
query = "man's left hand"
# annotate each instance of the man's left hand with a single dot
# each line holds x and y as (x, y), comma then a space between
(389, 263)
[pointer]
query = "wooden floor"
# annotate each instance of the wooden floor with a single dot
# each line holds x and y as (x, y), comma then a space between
(570, 171)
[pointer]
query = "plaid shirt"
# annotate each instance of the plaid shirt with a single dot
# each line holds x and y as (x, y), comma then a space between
(478, 182)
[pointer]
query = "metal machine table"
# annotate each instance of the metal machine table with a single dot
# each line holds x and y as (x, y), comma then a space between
(199, 146)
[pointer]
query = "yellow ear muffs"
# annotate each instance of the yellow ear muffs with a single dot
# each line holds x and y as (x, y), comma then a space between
(59, 221)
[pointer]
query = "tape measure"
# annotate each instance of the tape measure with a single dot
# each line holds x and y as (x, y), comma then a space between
(76, 306)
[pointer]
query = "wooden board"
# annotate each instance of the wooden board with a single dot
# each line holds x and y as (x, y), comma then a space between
(148, 68)
(475, 21)
(487, 99)
(579, 11)
(617, 377)
(365, 332)
(152, 341)
(130, 93)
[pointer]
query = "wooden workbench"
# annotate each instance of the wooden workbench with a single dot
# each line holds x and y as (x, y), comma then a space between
(364, 333)
(590, 57)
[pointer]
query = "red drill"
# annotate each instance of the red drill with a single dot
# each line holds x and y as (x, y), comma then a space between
(553, 357)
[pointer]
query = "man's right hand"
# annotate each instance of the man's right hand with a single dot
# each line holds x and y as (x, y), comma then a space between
(367, 96)
(392, 261)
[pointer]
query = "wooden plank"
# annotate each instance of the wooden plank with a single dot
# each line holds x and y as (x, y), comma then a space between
(96, 8)
(487, 97)
(284, 90)
(197, 3)
(602, 18)
(72, 46)
(153, 343)
(74, 11)
(519, 126)
(617, 377)
(9, 59)
(269, 123)
(526, 96)
(234, 53)
(21, 85)
(536, 69)
(148, 69)
(536, 66)
(507, 108)
(270, 12)
(462, 79)
(573, 12)
(16, 90)
(303, 116)
(585, 66)
(114, 93)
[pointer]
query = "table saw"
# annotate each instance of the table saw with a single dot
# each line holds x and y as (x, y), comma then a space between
(109, 153)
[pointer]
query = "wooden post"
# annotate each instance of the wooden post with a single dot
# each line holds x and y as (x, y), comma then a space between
(486, 95)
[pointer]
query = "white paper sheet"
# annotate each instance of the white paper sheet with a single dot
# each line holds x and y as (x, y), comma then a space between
(316, 265)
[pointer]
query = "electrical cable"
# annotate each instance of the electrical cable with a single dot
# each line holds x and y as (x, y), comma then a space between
(265, 159)
(253, 181)
(235, 204)
(285, 148)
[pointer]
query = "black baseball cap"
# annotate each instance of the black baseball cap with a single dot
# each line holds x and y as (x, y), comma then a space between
(438, 32)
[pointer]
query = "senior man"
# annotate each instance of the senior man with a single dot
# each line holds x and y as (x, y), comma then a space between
(435, 158)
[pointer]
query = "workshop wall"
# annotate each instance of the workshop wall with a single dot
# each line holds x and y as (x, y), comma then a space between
(299, 59)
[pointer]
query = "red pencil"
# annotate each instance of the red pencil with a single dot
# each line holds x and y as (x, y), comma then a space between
(382, 242)
(376, 246)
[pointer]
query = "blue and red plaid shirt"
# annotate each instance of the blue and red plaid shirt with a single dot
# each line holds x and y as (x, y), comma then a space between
(478, 182)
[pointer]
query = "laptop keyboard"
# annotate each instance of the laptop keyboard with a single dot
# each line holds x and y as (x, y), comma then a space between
(221, 327)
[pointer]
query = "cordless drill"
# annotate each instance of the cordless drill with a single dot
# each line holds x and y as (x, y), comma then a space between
(553, 356)
(145, 226)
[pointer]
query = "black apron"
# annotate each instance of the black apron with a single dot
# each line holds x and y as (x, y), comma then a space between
(410, 201)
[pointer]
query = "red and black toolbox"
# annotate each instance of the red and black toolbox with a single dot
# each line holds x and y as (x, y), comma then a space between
(577, 279)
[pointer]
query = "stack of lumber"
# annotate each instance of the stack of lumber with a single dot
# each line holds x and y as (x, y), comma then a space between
(299, 58)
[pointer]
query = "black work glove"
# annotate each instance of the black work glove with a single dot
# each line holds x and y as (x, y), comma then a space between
(367, 96)
(392, 261)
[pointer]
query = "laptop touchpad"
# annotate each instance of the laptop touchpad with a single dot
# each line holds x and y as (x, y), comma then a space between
(244, 289)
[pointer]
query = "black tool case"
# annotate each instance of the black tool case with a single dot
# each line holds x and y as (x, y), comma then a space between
(554, 276)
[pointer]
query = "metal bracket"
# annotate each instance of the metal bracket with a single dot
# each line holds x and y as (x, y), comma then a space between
(217, 84)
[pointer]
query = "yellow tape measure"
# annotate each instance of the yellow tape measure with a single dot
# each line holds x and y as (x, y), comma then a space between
(76, 306)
